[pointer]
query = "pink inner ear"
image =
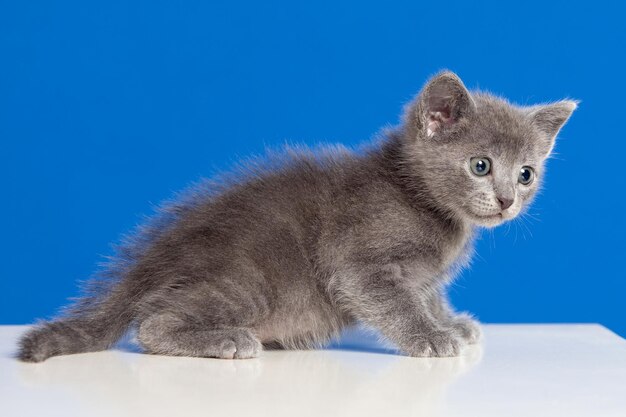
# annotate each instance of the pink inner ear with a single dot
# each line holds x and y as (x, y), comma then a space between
(436, 119)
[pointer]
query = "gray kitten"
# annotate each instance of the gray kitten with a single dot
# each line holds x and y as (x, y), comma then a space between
(295, 250)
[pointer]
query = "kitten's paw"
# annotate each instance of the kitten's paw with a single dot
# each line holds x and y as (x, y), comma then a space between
(436, 344)
(235, 344)
(467, 328)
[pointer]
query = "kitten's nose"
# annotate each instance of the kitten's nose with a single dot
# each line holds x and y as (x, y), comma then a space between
(505, 203)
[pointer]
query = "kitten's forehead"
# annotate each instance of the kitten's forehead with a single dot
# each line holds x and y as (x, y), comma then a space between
(503, 129)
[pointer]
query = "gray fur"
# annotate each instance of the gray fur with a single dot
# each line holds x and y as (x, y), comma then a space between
(294, 250)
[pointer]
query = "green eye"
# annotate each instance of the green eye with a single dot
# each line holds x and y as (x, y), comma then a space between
(526, 175)
(480, 166)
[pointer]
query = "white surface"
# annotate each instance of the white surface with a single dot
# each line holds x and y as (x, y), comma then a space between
(520, 370)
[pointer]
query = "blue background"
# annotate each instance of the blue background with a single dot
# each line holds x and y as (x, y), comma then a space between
(107, 108)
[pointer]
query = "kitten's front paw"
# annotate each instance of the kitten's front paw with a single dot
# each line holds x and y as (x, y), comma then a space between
(467, 328)
(436, 344)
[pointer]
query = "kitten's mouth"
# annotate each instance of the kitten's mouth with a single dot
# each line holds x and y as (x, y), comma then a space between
(491, 216)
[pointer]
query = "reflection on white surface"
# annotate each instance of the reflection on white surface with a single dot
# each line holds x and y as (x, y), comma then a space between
(526, 370)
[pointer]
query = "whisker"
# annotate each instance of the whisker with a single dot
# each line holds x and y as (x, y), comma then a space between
(523, 221)
(508, 228)
(532, 216)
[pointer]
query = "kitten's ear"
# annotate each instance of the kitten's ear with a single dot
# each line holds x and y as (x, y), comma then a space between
(443, 102)
(549, 119)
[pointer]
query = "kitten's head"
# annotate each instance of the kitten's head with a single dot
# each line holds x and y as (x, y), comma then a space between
(480, 157)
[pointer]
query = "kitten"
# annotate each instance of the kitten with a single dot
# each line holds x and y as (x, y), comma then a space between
(289, 254)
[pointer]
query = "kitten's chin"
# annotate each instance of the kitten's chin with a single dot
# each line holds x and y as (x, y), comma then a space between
(487, 221)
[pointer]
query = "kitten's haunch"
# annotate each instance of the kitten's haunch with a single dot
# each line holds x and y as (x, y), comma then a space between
(294, 249)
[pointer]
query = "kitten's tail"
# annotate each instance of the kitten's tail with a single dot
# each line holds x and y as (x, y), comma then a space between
(94, 323)
(100, 318)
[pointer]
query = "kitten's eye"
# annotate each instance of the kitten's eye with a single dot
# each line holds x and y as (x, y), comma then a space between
(526, 175)
(480, 166)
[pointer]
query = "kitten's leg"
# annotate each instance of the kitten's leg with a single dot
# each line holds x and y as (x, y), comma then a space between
(167, 334)
(402, 315)
(466, 327)
(206, 318)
